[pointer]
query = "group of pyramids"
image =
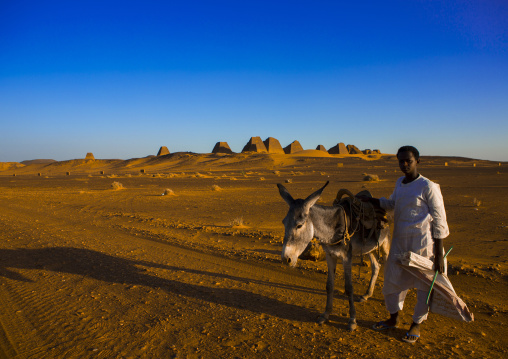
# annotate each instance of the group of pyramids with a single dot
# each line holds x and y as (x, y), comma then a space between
(272, 145)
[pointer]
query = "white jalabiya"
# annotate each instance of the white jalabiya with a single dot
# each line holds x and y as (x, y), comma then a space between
(419, 215)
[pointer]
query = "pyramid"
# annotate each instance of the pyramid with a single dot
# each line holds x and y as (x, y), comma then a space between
(273, 145)
(163, 151)
(321, 148)
(353, 150)
(255, 145)
(338, 149)
(221, 147)
(293, 147)
(89, 156)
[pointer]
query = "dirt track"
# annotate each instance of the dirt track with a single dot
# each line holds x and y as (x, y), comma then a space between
(91, 272)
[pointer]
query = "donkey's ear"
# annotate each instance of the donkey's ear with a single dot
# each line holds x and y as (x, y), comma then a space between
(285, 194)
(313, 198)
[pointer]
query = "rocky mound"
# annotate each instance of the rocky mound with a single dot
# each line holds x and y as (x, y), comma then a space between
(4, 166)
(37, 162)
(353, 150)
(90, 156)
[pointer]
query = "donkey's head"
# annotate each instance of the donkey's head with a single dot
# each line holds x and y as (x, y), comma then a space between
(299, 230)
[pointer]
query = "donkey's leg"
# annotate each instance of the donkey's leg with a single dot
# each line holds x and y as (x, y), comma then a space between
(347, 263)
(331, 261)
(385, 248)
(374, 266)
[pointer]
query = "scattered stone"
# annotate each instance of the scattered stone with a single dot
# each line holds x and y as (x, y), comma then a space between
(371, 178)
(168, 192)
(117, 185)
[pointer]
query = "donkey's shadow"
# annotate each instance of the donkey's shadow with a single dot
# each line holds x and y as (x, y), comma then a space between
(114, 269)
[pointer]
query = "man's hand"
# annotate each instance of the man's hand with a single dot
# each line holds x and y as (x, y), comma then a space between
(439, 255)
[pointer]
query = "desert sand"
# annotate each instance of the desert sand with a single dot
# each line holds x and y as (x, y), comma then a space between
(89, 271)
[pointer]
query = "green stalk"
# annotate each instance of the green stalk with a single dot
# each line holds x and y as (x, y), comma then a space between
(435, 276)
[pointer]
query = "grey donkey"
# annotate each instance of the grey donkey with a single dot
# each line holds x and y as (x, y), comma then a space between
(330, 225)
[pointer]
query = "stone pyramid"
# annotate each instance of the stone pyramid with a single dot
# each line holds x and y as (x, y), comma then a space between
(353, 150)
(221, 147)
(273, 145)
(90, 156)
(293, 147)
(321, 148)
(255, 145)
(338, 149)
(163, 151)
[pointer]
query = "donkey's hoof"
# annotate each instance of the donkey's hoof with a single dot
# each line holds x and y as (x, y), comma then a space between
(363, 298)
(351, 326)
(322, 319)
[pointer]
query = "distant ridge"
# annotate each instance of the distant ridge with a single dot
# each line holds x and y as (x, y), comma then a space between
(37, 162)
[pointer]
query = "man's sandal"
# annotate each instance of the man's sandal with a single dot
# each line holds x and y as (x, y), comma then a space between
(410, 338)
(383, 326)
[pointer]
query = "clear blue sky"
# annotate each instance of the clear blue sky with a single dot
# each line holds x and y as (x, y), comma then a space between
(122, 78)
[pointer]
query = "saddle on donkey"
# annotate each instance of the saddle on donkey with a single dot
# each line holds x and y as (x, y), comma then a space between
(372, 218)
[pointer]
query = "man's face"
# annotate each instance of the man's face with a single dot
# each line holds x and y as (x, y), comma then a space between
(407, 162)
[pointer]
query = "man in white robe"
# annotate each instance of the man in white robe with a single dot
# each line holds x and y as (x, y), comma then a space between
(420, 227)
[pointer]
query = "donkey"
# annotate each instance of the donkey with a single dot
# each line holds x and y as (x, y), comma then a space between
(330, 226)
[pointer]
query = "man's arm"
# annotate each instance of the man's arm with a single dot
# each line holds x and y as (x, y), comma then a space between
(439, 255)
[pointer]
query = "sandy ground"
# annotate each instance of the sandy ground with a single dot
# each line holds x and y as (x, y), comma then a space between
(91, 272)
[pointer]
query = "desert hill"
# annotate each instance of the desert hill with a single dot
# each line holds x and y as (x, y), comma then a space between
(157, 257)
(7, 166)
(37, 162)
(189, 161)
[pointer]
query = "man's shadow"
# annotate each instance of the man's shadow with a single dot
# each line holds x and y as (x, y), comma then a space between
(113, 269)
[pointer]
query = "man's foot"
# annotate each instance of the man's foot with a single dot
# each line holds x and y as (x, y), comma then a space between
(413, 334)
(392, 322)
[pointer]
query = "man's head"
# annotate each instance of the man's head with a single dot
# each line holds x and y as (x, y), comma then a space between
(408, 157)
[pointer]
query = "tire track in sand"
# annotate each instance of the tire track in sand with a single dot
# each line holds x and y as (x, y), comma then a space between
(106, 254)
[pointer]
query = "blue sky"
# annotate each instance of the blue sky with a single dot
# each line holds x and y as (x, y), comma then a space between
(122, 78)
